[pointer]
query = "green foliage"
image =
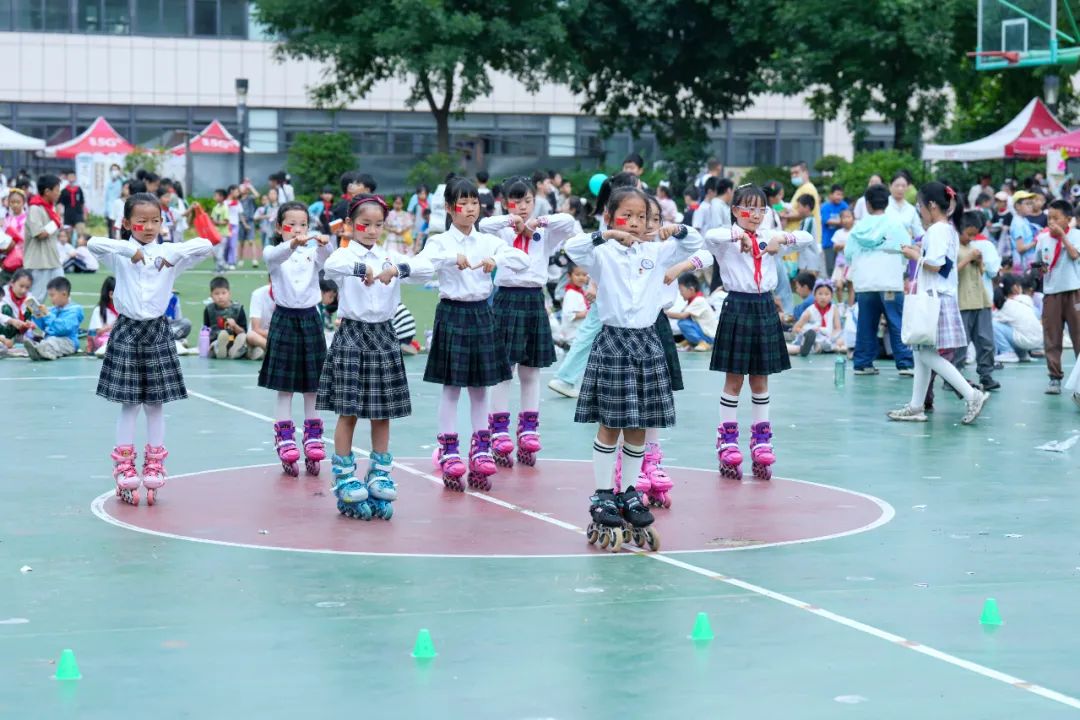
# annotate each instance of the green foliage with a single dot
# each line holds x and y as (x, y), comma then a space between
(884, 56)
(142, 159)
(433, 170)
(683, 159)
(886, 163)
(828, 163)
(318, 159)
(964, 177)
(764, 173)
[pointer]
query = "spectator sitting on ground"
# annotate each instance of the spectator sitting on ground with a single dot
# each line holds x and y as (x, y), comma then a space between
(1017, 329)
(697, 321)
(61, 324)
(227, 322)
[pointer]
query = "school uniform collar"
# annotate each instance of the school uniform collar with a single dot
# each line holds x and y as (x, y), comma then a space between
(365, 252)
(457, 235)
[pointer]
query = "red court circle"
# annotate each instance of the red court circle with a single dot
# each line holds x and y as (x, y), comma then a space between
(537, 512)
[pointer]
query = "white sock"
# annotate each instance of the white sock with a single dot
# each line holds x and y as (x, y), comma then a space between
(155, 424)
(529, 377)
(729, 407)
(284, 406)
(603, 463)
(632, 458)
(652, 436)
(309, 406)
(478, 408)
(125, 425)
(759, 411)
(500, 397)
(448, 409)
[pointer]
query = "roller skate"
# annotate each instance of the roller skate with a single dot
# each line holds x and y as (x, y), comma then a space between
(528, 437)
(637, 520)
(481, 464)
(153, 471)
(727, 451)
(125, 474)
(607, 521)
(652, 472)
(314, 452)
(351, 494)
(761, 450)
(448, 459)
(285, 442)
(501, 444)
(382, 492)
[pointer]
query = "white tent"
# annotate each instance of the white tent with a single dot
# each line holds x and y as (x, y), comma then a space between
(1034, 121)
(11, 140)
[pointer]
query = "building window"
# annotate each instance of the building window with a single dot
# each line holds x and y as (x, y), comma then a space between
(43, 15)
(103, 16)
(234, 18)
(562, 136)
(206, 17)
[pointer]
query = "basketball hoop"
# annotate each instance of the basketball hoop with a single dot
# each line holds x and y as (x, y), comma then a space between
(1009, 56)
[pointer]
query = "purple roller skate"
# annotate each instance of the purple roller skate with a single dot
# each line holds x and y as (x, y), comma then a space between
(761, 451)
(481, 463)
(448, 459)
(502, 446)
(528, 437)
(727, 451)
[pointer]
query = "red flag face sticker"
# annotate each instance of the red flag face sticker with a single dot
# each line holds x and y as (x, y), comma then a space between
(138, 228)
(620, 222)
(361, 228)
(286, 228)
(459, 208)
(512, 206)
(744, 214)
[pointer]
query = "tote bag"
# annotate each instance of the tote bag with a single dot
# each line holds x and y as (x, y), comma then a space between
(919, 325)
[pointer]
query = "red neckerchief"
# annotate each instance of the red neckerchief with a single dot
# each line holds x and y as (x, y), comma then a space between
(521, 242)
(14, 226)
(823, 311)
(755, 251)
(575, 288)
(1057, 250)
(20, 314)
(112, 308)
(72, 189)
(327, 214)
(272, 291)
(40, 202)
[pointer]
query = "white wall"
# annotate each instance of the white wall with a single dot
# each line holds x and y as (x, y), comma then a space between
(132, 70)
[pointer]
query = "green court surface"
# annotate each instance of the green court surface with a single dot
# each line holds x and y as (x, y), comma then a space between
(880, 621)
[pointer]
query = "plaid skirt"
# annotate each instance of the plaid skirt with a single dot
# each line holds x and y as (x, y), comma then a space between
(671, 352)
(141, 364)
(465, 349)
(295, 351)
(750, 338)
(364, 375)
(626, 382)
(950, 326)
(521, 321)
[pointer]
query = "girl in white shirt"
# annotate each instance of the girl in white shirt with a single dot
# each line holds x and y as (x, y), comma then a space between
(627, 387)
(465, 349)
(938, 275)
(103, 318)
(364, 375)
(295, 345)
(141, 368)
(521, 318)
(749, 339)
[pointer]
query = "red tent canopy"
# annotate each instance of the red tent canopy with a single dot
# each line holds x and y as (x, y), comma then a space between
(99, 138)
(214, 139)
(1042, 145)
(1035, 121)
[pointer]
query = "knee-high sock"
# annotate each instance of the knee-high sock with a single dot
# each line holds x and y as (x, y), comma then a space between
(448, 409)
(478, 408)
(603, 463)
(309, 406)
(284, 406)
(928, 361)
(155, 424)
(529, 377)
(125, 425)
(632, 458)
(729, 407)
(759, 411)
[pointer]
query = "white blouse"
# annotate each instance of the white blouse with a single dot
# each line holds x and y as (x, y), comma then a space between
(541, 244)
(143, 291)
(469, 285)
(737, 267)
(294, 274)
(375, 303)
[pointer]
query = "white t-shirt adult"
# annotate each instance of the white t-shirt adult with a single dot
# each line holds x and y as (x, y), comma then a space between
(261, 306)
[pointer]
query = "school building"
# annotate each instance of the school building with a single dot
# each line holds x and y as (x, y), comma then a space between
(152, 67)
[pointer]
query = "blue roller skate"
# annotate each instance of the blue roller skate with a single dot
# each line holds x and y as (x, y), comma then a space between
(351, 494)
(382, 491)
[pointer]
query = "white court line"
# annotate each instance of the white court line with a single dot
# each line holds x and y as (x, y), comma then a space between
(953, 660)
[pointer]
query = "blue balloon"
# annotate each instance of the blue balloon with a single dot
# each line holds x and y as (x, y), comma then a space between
(595, 182)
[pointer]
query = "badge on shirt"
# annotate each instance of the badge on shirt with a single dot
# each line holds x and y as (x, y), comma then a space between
(387, 264)
(762, 245)
(646, 264)
(536, 237)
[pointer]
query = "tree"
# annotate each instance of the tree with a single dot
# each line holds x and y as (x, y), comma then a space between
(676, 66)
(443, 51)
(891, 57)
(318, 159)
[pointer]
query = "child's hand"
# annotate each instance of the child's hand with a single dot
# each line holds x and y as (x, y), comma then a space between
(773, 247)
(531, 225)
(137, 257)
(622, 237)
(369, 277)
(232, 326)
(387, 275)
(322, 239)
(463, 262)
(737, 233)
(671, 275)
(590, 294)
(40, 311)
(161, 263)
(487, 265)
(516, 222)
(911, 252)
(667, 231)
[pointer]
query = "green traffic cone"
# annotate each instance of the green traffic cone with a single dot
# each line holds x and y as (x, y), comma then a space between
(990, 614)
(67, 668)
(424, 649)
(702, 630)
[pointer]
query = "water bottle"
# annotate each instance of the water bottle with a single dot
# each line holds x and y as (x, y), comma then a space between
(839, 370)
(427, 339)
(204, 342)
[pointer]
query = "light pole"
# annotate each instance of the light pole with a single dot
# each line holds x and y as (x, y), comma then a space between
(241, 118)
(1051, 86)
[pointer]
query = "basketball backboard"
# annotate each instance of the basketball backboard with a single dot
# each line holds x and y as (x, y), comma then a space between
(1026, 33)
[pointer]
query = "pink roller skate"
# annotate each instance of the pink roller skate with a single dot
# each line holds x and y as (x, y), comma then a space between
(314, 452)
(727, 451)
(655, 484)
(618, 468)
(285, 442)
(502, 446)
(153, 471)
(528, 437)
(448, 459)
(481, 464)
(125, 474)
(761, 450)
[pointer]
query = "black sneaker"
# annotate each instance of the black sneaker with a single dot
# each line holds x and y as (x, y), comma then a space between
(990, 384)
(808, 343)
